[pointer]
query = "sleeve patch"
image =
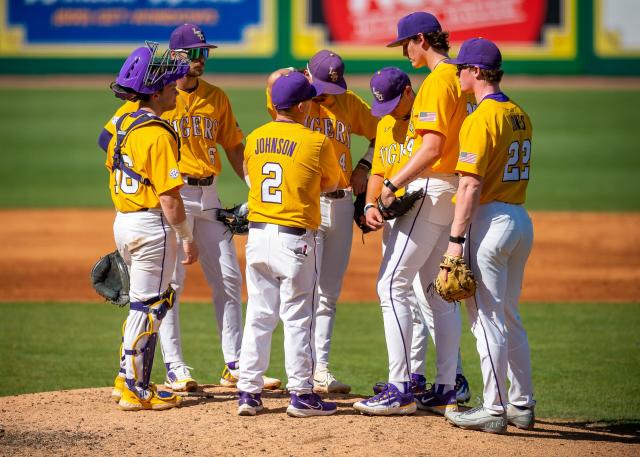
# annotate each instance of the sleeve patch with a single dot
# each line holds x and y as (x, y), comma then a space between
(174, 173)
(468, 157)
(427, 116)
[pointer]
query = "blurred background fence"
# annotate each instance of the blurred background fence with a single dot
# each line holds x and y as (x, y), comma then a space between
(572, 37)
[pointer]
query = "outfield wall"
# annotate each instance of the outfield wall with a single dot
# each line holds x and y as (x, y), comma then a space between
(573, 37)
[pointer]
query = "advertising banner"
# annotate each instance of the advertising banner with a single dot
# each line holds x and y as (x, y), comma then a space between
(616, 31)
(111, 27)
(360, 28)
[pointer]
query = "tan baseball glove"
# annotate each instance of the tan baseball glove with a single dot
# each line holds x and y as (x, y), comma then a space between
(455, 281)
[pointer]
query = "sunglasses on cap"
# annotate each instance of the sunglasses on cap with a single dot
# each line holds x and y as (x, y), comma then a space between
(195, 53)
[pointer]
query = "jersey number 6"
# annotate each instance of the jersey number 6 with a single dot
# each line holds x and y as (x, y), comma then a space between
(270, 192)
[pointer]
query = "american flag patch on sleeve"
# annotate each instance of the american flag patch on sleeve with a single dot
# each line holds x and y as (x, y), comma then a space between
(427, 116)
(468, 157)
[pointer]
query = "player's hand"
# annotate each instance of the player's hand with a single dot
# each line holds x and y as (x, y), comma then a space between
(190, 252)
(387, 196)
(374, 219)
(359, 180)
(454, 249)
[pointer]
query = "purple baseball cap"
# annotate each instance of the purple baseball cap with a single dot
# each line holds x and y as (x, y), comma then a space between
(291, 89)
(479, 52)
(327, 73)
(387, 86)
(414, 23)
(188, 36)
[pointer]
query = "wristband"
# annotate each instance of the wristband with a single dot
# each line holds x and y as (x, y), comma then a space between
(364, 163)
(184, 231)
(457, 239)
(390, 185)
(367, 206)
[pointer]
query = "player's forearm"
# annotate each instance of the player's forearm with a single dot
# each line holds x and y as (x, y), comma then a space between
(172, 206)
(374, 187)
(422, 159)
(467, 199)
(235, 155)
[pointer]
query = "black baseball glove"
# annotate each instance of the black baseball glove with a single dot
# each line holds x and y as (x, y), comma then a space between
(358, 213)
(400, 205)
(110, 278)
(235, 218)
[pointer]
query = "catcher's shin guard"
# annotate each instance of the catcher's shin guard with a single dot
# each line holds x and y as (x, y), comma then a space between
(140, 339)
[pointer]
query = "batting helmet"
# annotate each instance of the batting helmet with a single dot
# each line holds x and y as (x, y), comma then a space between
(144, 73)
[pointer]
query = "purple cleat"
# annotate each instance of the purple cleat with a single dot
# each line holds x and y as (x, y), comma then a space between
(307, 405)
(249, 404)
(436, 400)
(418, 385)
(388, 402)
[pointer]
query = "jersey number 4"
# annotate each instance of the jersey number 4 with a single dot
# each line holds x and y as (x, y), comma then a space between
(270, 192)
(517, 167)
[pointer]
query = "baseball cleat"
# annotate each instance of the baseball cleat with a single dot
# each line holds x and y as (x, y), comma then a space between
(388, 402)
(436, 400)
(325, 383)
(179, 379)
(156, 400)
(249, 404)
(463, 394)
(308, 405)
(522, 417)
(418, 385)
(229, 378)
(479, 419)
(118, 387)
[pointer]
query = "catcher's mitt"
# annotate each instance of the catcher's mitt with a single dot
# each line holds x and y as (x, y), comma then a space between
(235, 218)
(400, 205)
(358, 213)
(110, 278)
(455, 281)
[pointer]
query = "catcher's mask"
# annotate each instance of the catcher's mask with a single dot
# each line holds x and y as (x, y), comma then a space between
(145, 72)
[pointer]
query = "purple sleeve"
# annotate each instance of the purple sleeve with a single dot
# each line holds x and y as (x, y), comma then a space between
(103, 140)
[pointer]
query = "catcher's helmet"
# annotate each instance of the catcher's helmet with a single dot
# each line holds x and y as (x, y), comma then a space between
(144, 73)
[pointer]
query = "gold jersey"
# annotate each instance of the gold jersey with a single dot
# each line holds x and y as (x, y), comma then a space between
(287, 165)
(203, 118)
(391, 151)
(149, 150)
(337, 118)
(440, 106)
(495, 143)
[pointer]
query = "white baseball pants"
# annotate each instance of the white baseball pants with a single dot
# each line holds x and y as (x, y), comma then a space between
(219, 264)
(333, 250)
(281, 284)
(415, 243)
(499, 243)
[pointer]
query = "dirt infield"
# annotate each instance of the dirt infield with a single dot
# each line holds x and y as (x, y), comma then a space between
(86, 423)
(576, 258)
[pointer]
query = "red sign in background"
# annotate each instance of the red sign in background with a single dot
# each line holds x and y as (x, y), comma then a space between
(375, 21)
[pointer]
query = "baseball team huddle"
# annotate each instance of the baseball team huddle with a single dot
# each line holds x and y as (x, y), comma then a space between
(459, 145)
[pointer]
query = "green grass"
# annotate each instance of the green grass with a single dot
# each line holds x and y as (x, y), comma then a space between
(584, 155)
(586, 357)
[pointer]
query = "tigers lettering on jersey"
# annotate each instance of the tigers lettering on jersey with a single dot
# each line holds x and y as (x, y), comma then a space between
(440, 106)
(287, 165)
(188, 126)
(495, 143)
(392, 149)
(332, 128)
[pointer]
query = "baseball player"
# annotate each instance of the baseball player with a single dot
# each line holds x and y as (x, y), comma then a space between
(204, 119)
(287, 166)
(494, 161)
(392, 84)
(337, 113)
(420, 235)
(144, 182)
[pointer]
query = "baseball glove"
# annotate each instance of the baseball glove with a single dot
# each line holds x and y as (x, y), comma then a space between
(358, 213)
(235, 218)
(400, 205)
(110, 278)
(455, 281)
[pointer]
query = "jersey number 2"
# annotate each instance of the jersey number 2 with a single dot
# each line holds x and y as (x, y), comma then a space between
(517, 167)
(270, 192)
